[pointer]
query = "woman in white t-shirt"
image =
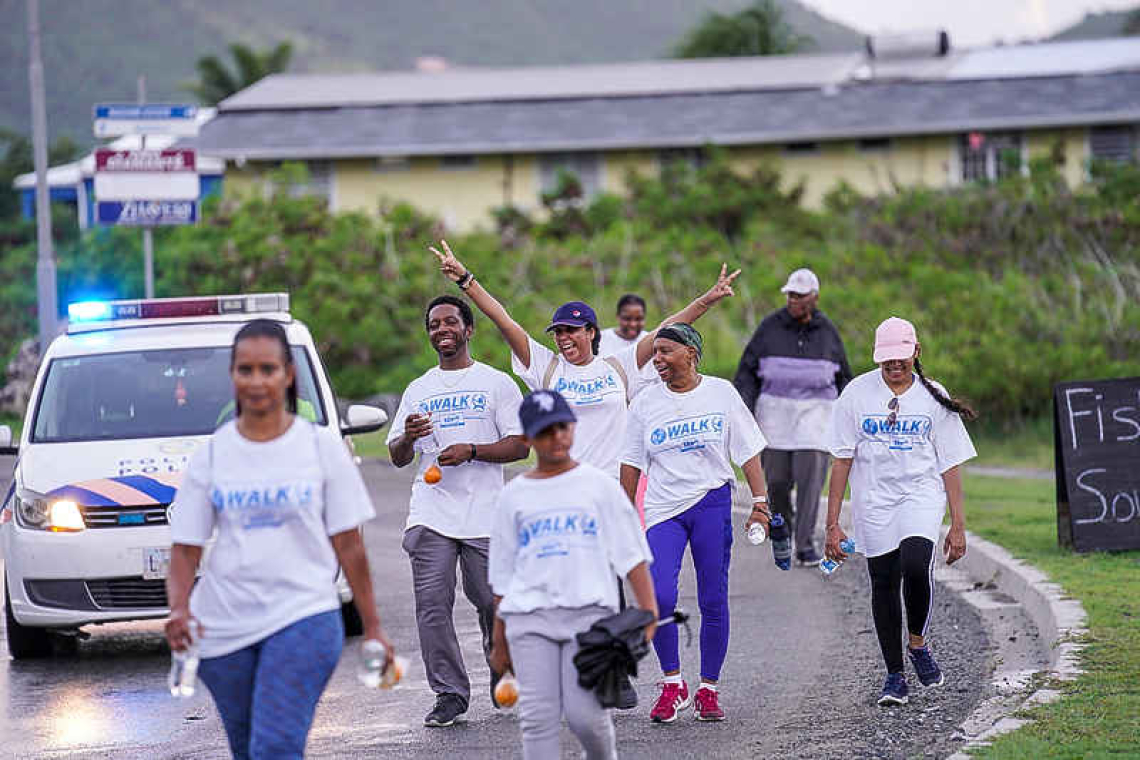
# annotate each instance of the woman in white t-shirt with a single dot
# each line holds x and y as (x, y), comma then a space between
(562, 532)
(685, 434)
(630, 329)
(899, 438)
(285, 502)
(597, 388)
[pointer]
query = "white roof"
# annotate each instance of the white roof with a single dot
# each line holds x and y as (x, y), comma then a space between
(787, 72)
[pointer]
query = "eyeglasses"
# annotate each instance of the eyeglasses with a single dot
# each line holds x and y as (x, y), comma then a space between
(893, 405)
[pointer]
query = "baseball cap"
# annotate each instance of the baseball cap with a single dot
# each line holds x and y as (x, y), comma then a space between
(541, 409)
(894, 339)
(573, 314)
(801, 281)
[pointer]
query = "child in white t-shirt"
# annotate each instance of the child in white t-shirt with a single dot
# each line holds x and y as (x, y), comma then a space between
(561, 533)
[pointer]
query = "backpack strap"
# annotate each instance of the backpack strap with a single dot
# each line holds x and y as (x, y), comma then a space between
(620, 370)
(548, 375)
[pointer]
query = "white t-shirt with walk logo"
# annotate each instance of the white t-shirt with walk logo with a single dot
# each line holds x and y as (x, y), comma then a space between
(477, 405)
(596, 392)
(686, 443)
(896, 475)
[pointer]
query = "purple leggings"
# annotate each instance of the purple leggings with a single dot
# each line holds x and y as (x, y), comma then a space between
(707, 528)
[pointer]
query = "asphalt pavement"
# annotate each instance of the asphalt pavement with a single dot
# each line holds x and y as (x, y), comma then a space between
(801, 678)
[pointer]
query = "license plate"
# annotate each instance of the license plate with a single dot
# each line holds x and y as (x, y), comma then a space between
(156, 562)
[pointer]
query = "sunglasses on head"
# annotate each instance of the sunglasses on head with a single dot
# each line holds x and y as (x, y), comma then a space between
(893, 406)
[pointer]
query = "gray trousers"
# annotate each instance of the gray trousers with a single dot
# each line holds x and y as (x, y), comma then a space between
(434, 558)
(805, 469)
(542, 651)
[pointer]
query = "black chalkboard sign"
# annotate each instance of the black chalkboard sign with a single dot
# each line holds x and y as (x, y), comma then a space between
(1096, 440)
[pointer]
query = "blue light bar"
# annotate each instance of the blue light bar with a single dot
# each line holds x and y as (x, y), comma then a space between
(88, 311)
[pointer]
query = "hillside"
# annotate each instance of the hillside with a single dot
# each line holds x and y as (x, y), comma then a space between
(1097, 26)
(94, 50)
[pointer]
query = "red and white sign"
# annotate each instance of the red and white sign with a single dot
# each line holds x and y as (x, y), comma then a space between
(175, 160)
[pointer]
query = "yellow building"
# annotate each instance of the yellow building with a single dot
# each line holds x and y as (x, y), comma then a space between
(461, 142)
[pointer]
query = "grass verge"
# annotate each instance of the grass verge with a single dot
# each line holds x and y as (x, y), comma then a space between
(1027, 445)
(1099, 714)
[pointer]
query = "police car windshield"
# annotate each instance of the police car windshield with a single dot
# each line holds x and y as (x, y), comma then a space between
(149, 394)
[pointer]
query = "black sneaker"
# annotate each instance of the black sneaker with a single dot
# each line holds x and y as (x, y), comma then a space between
(894, 690)
(448, 707)
(627, 695)
(809, 558)
(929, 674)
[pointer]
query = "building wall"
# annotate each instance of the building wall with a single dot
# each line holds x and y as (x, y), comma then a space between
(464, 197)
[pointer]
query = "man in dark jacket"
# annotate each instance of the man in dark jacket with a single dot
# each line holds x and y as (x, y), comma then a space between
(791, 372)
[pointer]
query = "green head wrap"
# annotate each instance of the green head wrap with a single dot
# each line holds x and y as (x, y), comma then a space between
(683, 333)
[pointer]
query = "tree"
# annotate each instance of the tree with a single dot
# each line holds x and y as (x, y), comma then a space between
(757, 30)
(16, 159)
(216, 82)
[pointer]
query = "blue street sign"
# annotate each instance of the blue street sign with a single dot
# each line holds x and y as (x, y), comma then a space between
(136, 112)
(146, 213)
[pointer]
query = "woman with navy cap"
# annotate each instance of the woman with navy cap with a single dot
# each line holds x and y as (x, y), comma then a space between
(899, 438)
(598, 389)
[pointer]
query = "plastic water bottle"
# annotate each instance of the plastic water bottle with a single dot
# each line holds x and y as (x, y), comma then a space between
(372, 673)
(756, 534)
(829, 566)
(183, 678)
(781, 542)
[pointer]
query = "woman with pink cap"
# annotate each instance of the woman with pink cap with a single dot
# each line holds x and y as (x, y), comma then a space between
(899, 438)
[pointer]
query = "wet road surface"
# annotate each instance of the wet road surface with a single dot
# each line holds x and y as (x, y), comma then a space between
(801, 678)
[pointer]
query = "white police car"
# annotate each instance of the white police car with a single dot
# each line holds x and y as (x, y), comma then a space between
(118, 406)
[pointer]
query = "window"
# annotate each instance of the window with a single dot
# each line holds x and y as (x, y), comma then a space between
(458, 162)
(386, 164)
(587, 167)
(693, 158)
(317, 179)
(875, 144)
(1113, 143)
(801, 148)
(989, 156)
(149, 394)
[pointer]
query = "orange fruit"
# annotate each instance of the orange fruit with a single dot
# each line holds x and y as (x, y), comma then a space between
(432, 475)
(507, 691)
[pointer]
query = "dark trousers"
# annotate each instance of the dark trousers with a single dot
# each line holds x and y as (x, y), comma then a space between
(911, 569)
(805, 469)
(434, 558)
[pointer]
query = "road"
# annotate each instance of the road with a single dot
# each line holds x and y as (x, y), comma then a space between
(801, 678)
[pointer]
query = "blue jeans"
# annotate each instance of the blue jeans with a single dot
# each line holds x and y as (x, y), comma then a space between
(267, 692)
(706, 527)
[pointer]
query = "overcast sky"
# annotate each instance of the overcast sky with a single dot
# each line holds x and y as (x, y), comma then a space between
(969, 22)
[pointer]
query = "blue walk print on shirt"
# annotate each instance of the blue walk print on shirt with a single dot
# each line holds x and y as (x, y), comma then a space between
(556, 533)
(263, 506)
(689, 433)
(452, 410)
(585, 391)
(907, 431)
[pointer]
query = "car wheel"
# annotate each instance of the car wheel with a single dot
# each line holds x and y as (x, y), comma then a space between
(24, 642)
(353, 625)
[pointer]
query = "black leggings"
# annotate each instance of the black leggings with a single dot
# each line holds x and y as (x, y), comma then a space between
(911, 567)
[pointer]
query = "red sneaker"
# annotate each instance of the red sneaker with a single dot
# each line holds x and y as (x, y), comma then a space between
(674, 698)
(708, 706)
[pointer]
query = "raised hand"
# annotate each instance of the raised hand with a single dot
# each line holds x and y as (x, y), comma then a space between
(723, 287)
(448, 264)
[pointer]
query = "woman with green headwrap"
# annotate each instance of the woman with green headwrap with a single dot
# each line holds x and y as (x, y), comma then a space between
(685, 433)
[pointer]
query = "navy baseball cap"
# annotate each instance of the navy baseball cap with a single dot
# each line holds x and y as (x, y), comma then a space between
(573, 314)
(541, 409)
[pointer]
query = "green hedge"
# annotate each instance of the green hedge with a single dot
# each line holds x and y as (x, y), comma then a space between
(1012, 286)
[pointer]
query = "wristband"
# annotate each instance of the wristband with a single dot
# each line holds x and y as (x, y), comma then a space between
(759, 499)
(464, 282)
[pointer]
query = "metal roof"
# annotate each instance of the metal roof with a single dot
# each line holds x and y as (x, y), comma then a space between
(851, 110)
(787, 72)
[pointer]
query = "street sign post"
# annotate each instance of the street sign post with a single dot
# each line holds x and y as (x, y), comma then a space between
(117, 119)
(145, 188)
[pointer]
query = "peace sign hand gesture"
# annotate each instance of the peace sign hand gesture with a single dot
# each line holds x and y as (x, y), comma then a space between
(448, 264)
(723, 287)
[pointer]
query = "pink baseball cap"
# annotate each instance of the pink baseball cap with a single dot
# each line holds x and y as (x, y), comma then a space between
(894, 339)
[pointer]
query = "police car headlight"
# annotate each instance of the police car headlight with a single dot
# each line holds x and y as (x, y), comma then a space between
(34, 511)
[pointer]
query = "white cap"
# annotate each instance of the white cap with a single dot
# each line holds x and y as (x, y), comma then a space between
(801, 281)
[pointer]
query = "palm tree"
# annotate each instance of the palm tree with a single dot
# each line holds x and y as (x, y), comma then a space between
(759, 29)
(216, 82)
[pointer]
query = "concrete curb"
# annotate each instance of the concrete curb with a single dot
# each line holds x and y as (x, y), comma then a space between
(1059, 620)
